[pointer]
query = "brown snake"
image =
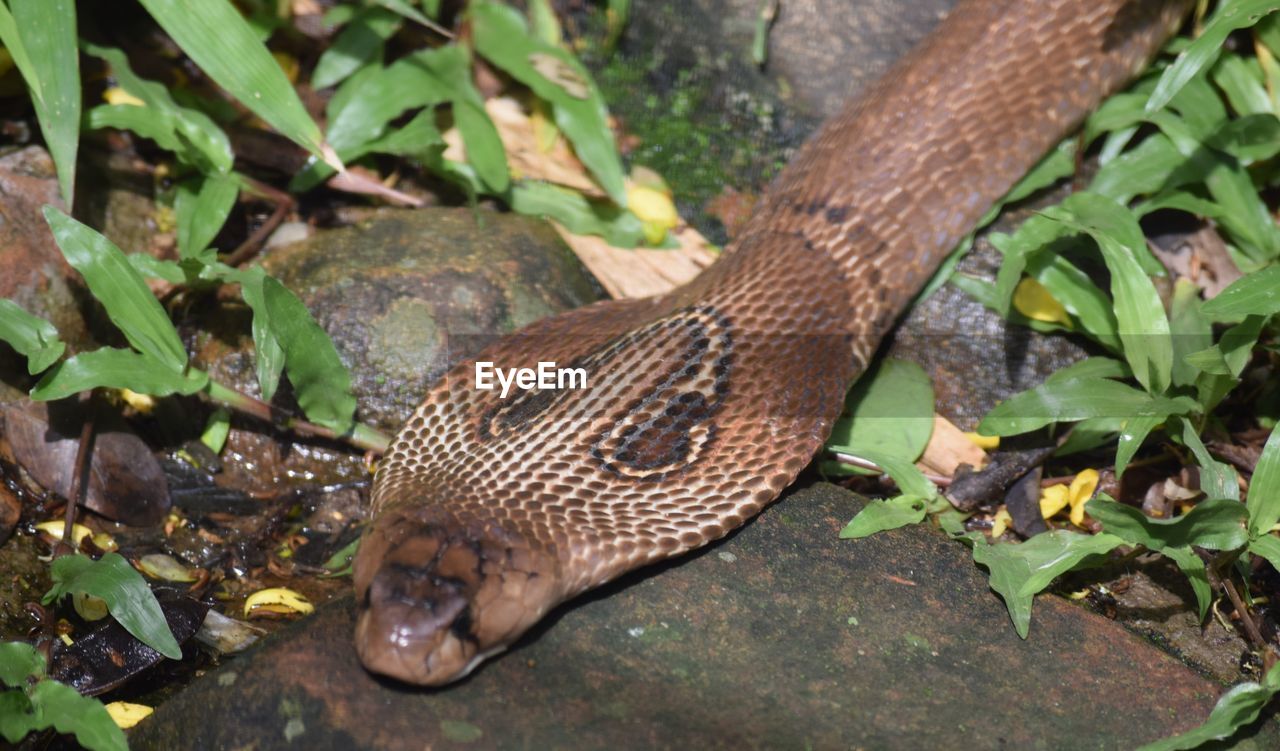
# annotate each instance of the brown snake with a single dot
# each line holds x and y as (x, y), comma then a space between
(704, 403)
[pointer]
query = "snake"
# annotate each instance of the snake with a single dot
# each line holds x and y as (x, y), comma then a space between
(703, 404)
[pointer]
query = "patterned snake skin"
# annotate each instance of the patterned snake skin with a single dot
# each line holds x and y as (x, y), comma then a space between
(703, 404)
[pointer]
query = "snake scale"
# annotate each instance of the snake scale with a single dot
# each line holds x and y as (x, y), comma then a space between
(706, 402)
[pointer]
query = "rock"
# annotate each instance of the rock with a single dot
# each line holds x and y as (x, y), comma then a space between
(406, 294)
(780, 636)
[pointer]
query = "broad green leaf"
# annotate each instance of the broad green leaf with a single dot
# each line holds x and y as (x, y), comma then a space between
(1091, 433)
(1077, 399)
(219, 40)
(889, 410)
(1253, 294)
(554, 75)
(61, 707)
(359, 43)
(30, 336)
(120, 289)
(188, 133)
(361, 108)
(1019, 571)
(126, 593)
(1192, 566)
(1143, 170)
(577, 213)
(48, 31)
(202, 206)
(1241, 81)
(418, 139)
(452, 67)
(320, 380)
(1267, 546)
(18, 660)
(1143, 326)
(1237, 708)
(1202, 53)
(268, 355)
(1216, 524)
(1190, 330)
(115, 368)
(1217, 480)
(16, 715)
(1264, 488)
(216, 430)
(1079, 295)
(878, 516)
(1132, 435)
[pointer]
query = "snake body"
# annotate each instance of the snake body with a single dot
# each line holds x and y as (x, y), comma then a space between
(705, 403)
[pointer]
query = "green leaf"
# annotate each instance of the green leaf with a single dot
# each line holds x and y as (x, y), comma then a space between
(1267, 545)
(18, 661)
(320, 380)
(1077, 399)
(60, 706)
(554, 75)
(1190, 329)
(1264, 488)
(11, 40)
(889, 410)
(16, 716)
(1237, 708)
(121, 290)
(452, 67)
(1019, 571)
(48, 31)
(216, 430)
(361, 108)
(1143, 326)
(1192, 566)
(30, 336)
(1252, 294)
(577, 213)
(878, 516)
(339, 564)
(360, 42)
(1204, 50)
(1217, 480)
(115, 368)
(1216, 524)
(190, 134)
(1134, 431)
(1143, 170)
(202, 206)
(126, 593)
(1241, 82)
(269, 356)
(911, 481)
(219, 40)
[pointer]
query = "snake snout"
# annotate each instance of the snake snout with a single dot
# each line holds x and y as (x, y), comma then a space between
(436, 598)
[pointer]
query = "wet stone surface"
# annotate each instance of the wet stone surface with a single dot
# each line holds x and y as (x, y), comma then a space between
(781, 636)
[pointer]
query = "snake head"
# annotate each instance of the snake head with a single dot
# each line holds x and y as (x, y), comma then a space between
(437, 596)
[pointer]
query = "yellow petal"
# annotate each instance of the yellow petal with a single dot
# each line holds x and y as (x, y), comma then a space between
(117, 95)
(1000, 522)
(143, 403)
(54, 530)
(277, 601)
(655, 210)
(1032, 300)
(984, 442)
(126, 715)
(1080, 492)
(89, 607)
(1052, 500)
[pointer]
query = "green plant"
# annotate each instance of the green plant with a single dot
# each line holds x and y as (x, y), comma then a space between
(35, 702)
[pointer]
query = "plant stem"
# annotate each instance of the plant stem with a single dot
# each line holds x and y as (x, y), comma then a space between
(361, 436)
(1250, 627)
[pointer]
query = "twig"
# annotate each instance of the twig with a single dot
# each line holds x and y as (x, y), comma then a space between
(1250, 626)
(253, 243)
(361, 436)
(80, 479)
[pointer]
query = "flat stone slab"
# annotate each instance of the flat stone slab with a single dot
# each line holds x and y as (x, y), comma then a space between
(782, 636)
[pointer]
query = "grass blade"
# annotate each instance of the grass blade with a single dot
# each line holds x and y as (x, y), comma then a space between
(202, 206)
(218, 39)
(48, 30)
